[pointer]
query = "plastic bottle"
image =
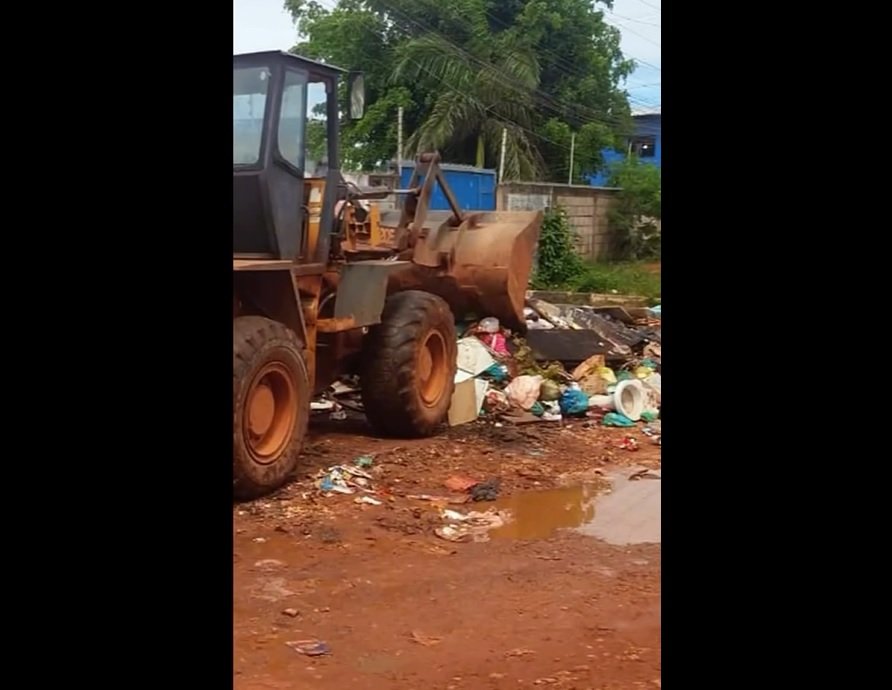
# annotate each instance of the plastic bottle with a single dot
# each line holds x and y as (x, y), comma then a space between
(489, 325)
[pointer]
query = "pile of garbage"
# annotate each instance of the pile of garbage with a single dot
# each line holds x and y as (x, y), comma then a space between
(553, 373)
(600, 363)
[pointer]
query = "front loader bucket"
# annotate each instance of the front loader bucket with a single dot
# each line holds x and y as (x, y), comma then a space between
(490, 268)
(492, 263)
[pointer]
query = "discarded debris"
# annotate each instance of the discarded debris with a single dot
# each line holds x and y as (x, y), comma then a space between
(425, 640)
(454, 533)
(368, 500)
(617, 419)
(294, 613)
(364, 461)
(457, 483)
(485, 491)
(473, 526)
(343, 480)
(310, 647)
(644, 474)
(628, 443)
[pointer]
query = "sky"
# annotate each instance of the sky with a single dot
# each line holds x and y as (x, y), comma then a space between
(265, 25)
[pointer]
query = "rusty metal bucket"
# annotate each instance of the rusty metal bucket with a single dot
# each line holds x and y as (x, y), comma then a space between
(490, 266)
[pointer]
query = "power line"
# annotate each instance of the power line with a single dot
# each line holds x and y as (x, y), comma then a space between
(636, 33)
(552, 102)
(658, 9)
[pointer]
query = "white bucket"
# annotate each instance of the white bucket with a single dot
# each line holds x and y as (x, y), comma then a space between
(629, 398)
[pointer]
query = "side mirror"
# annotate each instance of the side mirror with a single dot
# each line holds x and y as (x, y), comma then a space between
(356, 88)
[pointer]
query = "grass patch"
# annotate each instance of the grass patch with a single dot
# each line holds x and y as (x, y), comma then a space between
(627, 278)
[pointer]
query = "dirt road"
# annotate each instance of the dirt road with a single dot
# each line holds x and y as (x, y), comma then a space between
(400, 608)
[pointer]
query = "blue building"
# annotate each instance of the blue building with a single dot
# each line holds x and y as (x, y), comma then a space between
(646, 143)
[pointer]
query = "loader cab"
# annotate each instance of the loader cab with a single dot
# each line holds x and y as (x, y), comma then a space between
(285, 163)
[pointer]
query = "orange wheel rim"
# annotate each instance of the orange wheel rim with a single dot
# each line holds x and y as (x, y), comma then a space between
(431, 369)
(270, 413)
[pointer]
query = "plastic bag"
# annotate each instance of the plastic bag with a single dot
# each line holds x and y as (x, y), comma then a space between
(524, 391)
(617, 419)
(573, 401)
(549, 390)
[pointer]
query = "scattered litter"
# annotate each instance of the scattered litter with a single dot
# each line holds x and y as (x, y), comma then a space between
(473, 357)
(498, 372)
(364, 461)
(342, 479)
(496, 401)
(259, 540)
(310, 647)
(425, 640)
(368, 500)
(617, 419)
(549, 390)
(341, 388)
(338, 415)
(644, 474)
(524, 391)
(473, 526)
(457, 500)
(628, 443)
(454, 534)
(291, 612)
(486, 491)
(322, 405)
(573, 401)
(457, 483)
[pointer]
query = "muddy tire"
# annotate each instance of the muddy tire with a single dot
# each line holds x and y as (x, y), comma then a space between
(408, 366)
(270, 405)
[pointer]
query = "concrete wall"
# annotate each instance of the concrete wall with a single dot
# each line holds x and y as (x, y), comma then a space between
(586, 207)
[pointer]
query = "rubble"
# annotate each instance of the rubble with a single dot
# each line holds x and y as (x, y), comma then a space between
(599, 362)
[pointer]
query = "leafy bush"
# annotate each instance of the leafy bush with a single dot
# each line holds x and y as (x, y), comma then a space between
(558, 264)
(634, 219)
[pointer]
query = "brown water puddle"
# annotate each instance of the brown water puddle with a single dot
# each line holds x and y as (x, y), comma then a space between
(619, 511)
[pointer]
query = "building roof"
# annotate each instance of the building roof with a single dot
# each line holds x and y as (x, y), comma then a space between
(639, 112)
(279, 54)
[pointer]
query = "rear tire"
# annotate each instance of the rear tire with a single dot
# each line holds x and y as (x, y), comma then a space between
(408, 365)
(271, 405)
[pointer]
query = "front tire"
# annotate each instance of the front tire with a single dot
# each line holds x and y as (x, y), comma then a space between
(408, 365)
(271, 405)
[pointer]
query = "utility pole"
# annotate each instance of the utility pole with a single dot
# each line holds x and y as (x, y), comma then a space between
(502, 156)
(572, 151)
(399, 141)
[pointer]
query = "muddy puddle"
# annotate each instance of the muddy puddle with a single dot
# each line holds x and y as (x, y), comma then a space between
(624, 508)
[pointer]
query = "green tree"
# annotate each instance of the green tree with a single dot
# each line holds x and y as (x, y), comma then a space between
(466, 70)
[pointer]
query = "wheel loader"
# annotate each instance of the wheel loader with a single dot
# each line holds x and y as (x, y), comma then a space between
(325, 284)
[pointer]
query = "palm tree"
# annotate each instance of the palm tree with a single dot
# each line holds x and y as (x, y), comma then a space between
(481, 89)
